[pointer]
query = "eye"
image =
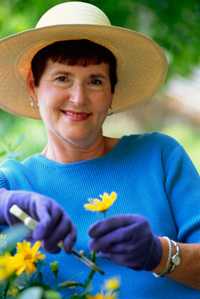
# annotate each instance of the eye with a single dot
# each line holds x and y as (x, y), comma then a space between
(96, 81)
(62, 78)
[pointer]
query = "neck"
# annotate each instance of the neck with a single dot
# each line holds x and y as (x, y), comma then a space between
(72, 153)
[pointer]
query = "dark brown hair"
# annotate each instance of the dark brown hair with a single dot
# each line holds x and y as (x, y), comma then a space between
(74, 52)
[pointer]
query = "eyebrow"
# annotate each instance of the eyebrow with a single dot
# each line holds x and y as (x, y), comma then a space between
(98, 75)
(63, 72)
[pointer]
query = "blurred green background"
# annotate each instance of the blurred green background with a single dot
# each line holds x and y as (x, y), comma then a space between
(173, 24)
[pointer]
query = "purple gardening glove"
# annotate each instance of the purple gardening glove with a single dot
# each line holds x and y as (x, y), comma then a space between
(127, 240)
(54, 224)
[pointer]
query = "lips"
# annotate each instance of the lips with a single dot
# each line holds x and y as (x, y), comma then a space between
(76, 116)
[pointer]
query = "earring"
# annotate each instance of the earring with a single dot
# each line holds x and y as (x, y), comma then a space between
(33, 103)
(110, 112)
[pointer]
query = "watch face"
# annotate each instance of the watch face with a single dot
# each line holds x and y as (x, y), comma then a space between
(176, 260)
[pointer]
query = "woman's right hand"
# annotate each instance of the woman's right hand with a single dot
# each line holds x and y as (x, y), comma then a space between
(54, 224)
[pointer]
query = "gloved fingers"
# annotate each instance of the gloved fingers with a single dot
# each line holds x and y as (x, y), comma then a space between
(122, 248)
(117, 258)
(121, 235)
(45, 207)
(70, 239)
(58, 234)
(47, 223)
(54, 249)
(14, 200)
(12, 220)
(55, 211)
(107, 225)
(124, 260)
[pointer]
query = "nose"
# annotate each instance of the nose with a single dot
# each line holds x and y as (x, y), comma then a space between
(78, 94)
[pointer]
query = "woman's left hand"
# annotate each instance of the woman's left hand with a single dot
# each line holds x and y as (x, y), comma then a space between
(127, 240)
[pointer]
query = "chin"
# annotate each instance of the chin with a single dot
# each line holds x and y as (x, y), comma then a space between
(84, 139)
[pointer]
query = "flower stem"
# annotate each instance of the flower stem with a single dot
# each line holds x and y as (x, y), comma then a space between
(91, 273)
(8, 284)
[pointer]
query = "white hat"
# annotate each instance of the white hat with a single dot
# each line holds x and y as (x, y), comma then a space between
(141, 63)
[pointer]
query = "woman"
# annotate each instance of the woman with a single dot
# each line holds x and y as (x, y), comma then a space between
(73, 73)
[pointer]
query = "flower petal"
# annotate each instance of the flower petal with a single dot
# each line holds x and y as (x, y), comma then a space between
(96, 205)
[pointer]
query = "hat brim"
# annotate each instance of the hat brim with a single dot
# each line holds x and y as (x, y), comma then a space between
(141, 63)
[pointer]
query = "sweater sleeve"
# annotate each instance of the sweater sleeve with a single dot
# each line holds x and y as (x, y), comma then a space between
(3, 181)
(3, 184)
(183, 191)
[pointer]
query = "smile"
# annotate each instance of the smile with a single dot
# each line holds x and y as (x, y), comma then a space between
(76, 116)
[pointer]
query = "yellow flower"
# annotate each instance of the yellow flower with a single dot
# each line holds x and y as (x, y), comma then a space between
(13, 291)
(112, 284)
(26, 257)
(7, 267)
(103, 204)
(101, 296)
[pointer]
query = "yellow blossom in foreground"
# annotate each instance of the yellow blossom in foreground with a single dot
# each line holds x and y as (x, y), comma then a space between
(7, 267)
(27, 256)
(13, 291)
(103, 204)
(112, 284)
(101, 296)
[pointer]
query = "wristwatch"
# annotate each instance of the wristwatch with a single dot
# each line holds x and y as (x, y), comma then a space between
(176, 258)
(173, 260)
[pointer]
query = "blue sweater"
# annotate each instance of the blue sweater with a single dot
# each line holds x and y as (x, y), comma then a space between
(152, 175)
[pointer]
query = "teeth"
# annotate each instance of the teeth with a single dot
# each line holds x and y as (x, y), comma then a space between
(76, 115)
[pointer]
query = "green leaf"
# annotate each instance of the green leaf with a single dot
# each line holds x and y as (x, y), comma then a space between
(54, 268)
(13, 155)
(50, 294)
(76, 296)
(19, 140)
(70, 284)
(2, 153)
(32, 293)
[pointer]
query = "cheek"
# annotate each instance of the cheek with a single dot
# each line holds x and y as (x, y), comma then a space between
(49, 98)
(103, 103)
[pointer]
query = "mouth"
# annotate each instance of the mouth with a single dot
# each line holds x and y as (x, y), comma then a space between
(76, 116)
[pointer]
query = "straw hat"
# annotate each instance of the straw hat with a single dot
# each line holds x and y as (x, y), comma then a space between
(141, 62)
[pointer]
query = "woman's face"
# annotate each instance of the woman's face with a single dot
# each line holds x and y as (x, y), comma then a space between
(73, 101)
